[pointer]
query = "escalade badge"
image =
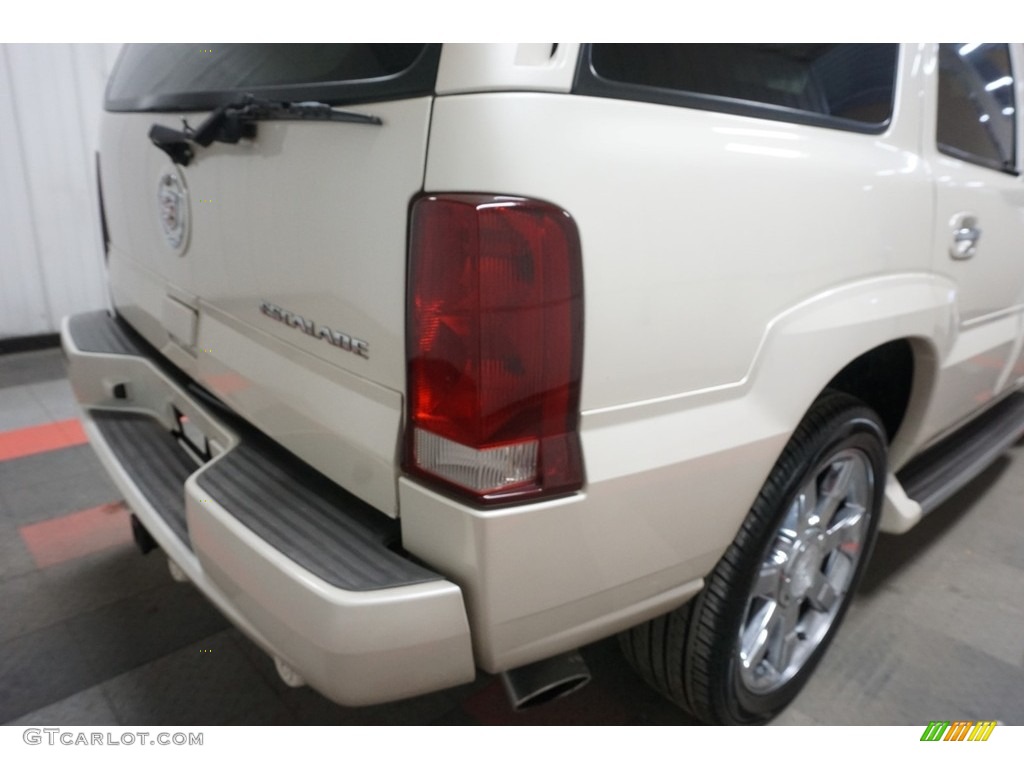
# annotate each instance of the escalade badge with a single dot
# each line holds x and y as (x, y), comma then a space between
(316, 330)
(172, 209)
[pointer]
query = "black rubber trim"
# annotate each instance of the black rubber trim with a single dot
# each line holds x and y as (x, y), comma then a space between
(943, 469)
(1009, 167)
(99, 332)
(313, 522)
(154, 460)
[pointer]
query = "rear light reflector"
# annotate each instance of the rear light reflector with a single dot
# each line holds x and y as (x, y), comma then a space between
(495, 347)
(474, 469)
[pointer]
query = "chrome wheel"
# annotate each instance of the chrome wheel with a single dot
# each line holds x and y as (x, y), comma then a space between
(806, 571)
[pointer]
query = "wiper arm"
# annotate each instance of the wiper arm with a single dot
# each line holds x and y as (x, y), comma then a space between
(235, 121)
(173, 142)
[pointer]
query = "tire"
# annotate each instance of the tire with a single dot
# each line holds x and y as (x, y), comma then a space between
(741, 651)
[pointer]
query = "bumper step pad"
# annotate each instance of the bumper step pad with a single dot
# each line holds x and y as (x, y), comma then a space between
(154, 460)
(318, 525)
(294, 509)
(99, 332)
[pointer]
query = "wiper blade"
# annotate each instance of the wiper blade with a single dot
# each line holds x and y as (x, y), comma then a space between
(265, 109)
(235, 121)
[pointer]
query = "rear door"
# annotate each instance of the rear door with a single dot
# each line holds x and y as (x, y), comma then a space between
(979, 224)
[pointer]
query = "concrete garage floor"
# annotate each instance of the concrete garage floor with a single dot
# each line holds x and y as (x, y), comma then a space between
(92, 633)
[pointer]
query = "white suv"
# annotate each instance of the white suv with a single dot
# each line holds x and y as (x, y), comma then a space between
(428, 359)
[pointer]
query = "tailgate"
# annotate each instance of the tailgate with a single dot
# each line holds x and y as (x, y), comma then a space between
(272, 270)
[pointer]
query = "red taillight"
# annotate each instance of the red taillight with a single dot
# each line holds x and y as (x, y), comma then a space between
(495, 347)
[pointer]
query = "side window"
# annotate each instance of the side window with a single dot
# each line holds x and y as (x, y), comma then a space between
(977, 113)
(841, 86)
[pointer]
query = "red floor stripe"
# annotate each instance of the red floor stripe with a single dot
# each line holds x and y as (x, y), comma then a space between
(45, 437)
(78, 534)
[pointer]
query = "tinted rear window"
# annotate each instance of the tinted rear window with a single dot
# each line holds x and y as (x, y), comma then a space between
(847, 86)
(174, 77)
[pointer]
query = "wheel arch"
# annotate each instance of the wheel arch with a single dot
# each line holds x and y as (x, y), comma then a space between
(880, 340)
(895, 379)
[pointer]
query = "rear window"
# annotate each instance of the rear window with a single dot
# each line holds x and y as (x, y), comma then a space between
(200, 77)
(844, 86)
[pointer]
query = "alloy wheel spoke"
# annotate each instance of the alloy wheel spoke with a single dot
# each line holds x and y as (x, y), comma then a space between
(806, 507)
(783, 636)
(836, 488)
(768, 581)
(846, 534)
(822, 594)
(754, 640)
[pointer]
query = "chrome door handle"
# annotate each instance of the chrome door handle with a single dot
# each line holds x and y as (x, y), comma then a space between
(966, 234)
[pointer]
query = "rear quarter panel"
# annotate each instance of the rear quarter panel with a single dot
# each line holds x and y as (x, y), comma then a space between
(698, 228)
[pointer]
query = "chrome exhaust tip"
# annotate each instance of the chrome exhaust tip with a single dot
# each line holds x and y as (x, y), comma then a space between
(545, 680)
(288, 676)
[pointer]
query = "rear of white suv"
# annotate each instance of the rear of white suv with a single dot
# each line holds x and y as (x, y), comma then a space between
(431, 359)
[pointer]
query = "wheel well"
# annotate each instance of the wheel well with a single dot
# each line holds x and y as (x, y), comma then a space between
(881, 379)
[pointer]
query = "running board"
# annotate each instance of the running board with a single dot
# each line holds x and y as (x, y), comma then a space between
(948, 466)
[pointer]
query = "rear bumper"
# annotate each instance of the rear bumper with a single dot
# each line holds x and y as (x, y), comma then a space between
(307, 571)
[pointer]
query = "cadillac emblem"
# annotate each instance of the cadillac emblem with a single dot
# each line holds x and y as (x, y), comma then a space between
(172, 209)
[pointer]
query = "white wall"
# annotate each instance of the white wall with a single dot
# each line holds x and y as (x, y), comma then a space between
(51, 254)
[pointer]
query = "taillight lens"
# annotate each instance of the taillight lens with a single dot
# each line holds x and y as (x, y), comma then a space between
(495, 347)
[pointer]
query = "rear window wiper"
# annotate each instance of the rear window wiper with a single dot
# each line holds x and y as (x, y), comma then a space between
(237, 120)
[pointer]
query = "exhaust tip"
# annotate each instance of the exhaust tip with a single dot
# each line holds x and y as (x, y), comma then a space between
(545, 680)
(288, 676)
